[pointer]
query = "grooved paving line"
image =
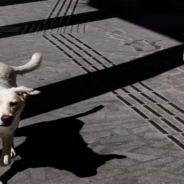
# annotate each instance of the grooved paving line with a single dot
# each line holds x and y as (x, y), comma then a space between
(57, 21)
(108, 74)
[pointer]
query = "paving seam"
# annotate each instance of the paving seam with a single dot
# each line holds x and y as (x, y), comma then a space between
(58, 41)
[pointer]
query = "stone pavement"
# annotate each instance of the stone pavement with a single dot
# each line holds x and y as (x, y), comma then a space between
(111, 109)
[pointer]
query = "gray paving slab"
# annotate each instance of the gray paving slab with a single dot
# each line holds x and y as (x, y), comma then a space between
(111, 107)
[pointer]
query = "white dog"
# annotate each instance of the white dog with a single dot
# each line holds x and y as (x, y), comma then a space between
(12, 99)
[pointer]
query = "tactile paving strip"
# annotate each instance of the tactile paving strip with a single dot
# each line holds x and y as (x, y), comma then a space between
(110, 75)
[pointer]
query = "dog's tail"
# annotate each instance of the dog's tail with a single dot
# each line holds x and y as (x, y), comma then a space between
(30, 66)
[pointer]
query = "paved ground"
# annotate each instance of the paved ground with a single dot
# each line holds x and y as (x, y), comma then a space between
(111, 107)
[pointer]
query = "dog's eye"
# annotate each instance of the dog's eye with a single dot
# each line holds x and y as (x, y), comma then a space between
(13, 104)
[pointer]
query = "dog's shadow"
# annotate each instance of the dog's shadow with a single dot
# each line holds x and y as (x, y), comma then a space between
(57, 144)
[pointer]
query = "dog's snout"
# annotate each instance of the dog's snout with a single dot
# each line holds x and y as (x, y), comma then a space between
(6, 119)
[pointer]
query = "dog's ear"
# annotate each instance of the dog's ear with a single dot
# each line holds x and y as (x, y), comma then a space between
(23, 92)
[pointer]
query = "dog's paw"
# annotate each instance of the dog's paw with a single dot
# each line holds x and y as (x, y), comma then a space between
(12, 154)
(5, 160)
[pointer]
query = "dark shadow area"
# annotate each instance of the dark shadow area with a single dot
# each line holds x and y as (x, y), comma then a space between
(166, 16)
(168, 24)
(84, 87)
(157, 6)
(14, 2)
(152, 6)
(57, 144)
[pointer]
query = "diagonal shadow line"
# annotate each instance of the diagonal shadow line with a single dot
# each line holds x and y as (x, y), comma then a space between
(80, 88)
(46, 24)
(173, 29)
(15, 2)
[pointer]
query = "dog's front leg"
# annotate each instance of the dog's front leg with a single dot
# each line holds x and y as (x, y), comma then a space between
(7, 141)
(13, 153)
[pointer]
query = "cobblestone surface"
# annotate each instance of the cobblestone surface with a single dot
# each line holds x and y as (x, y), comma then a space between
(111, 107)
